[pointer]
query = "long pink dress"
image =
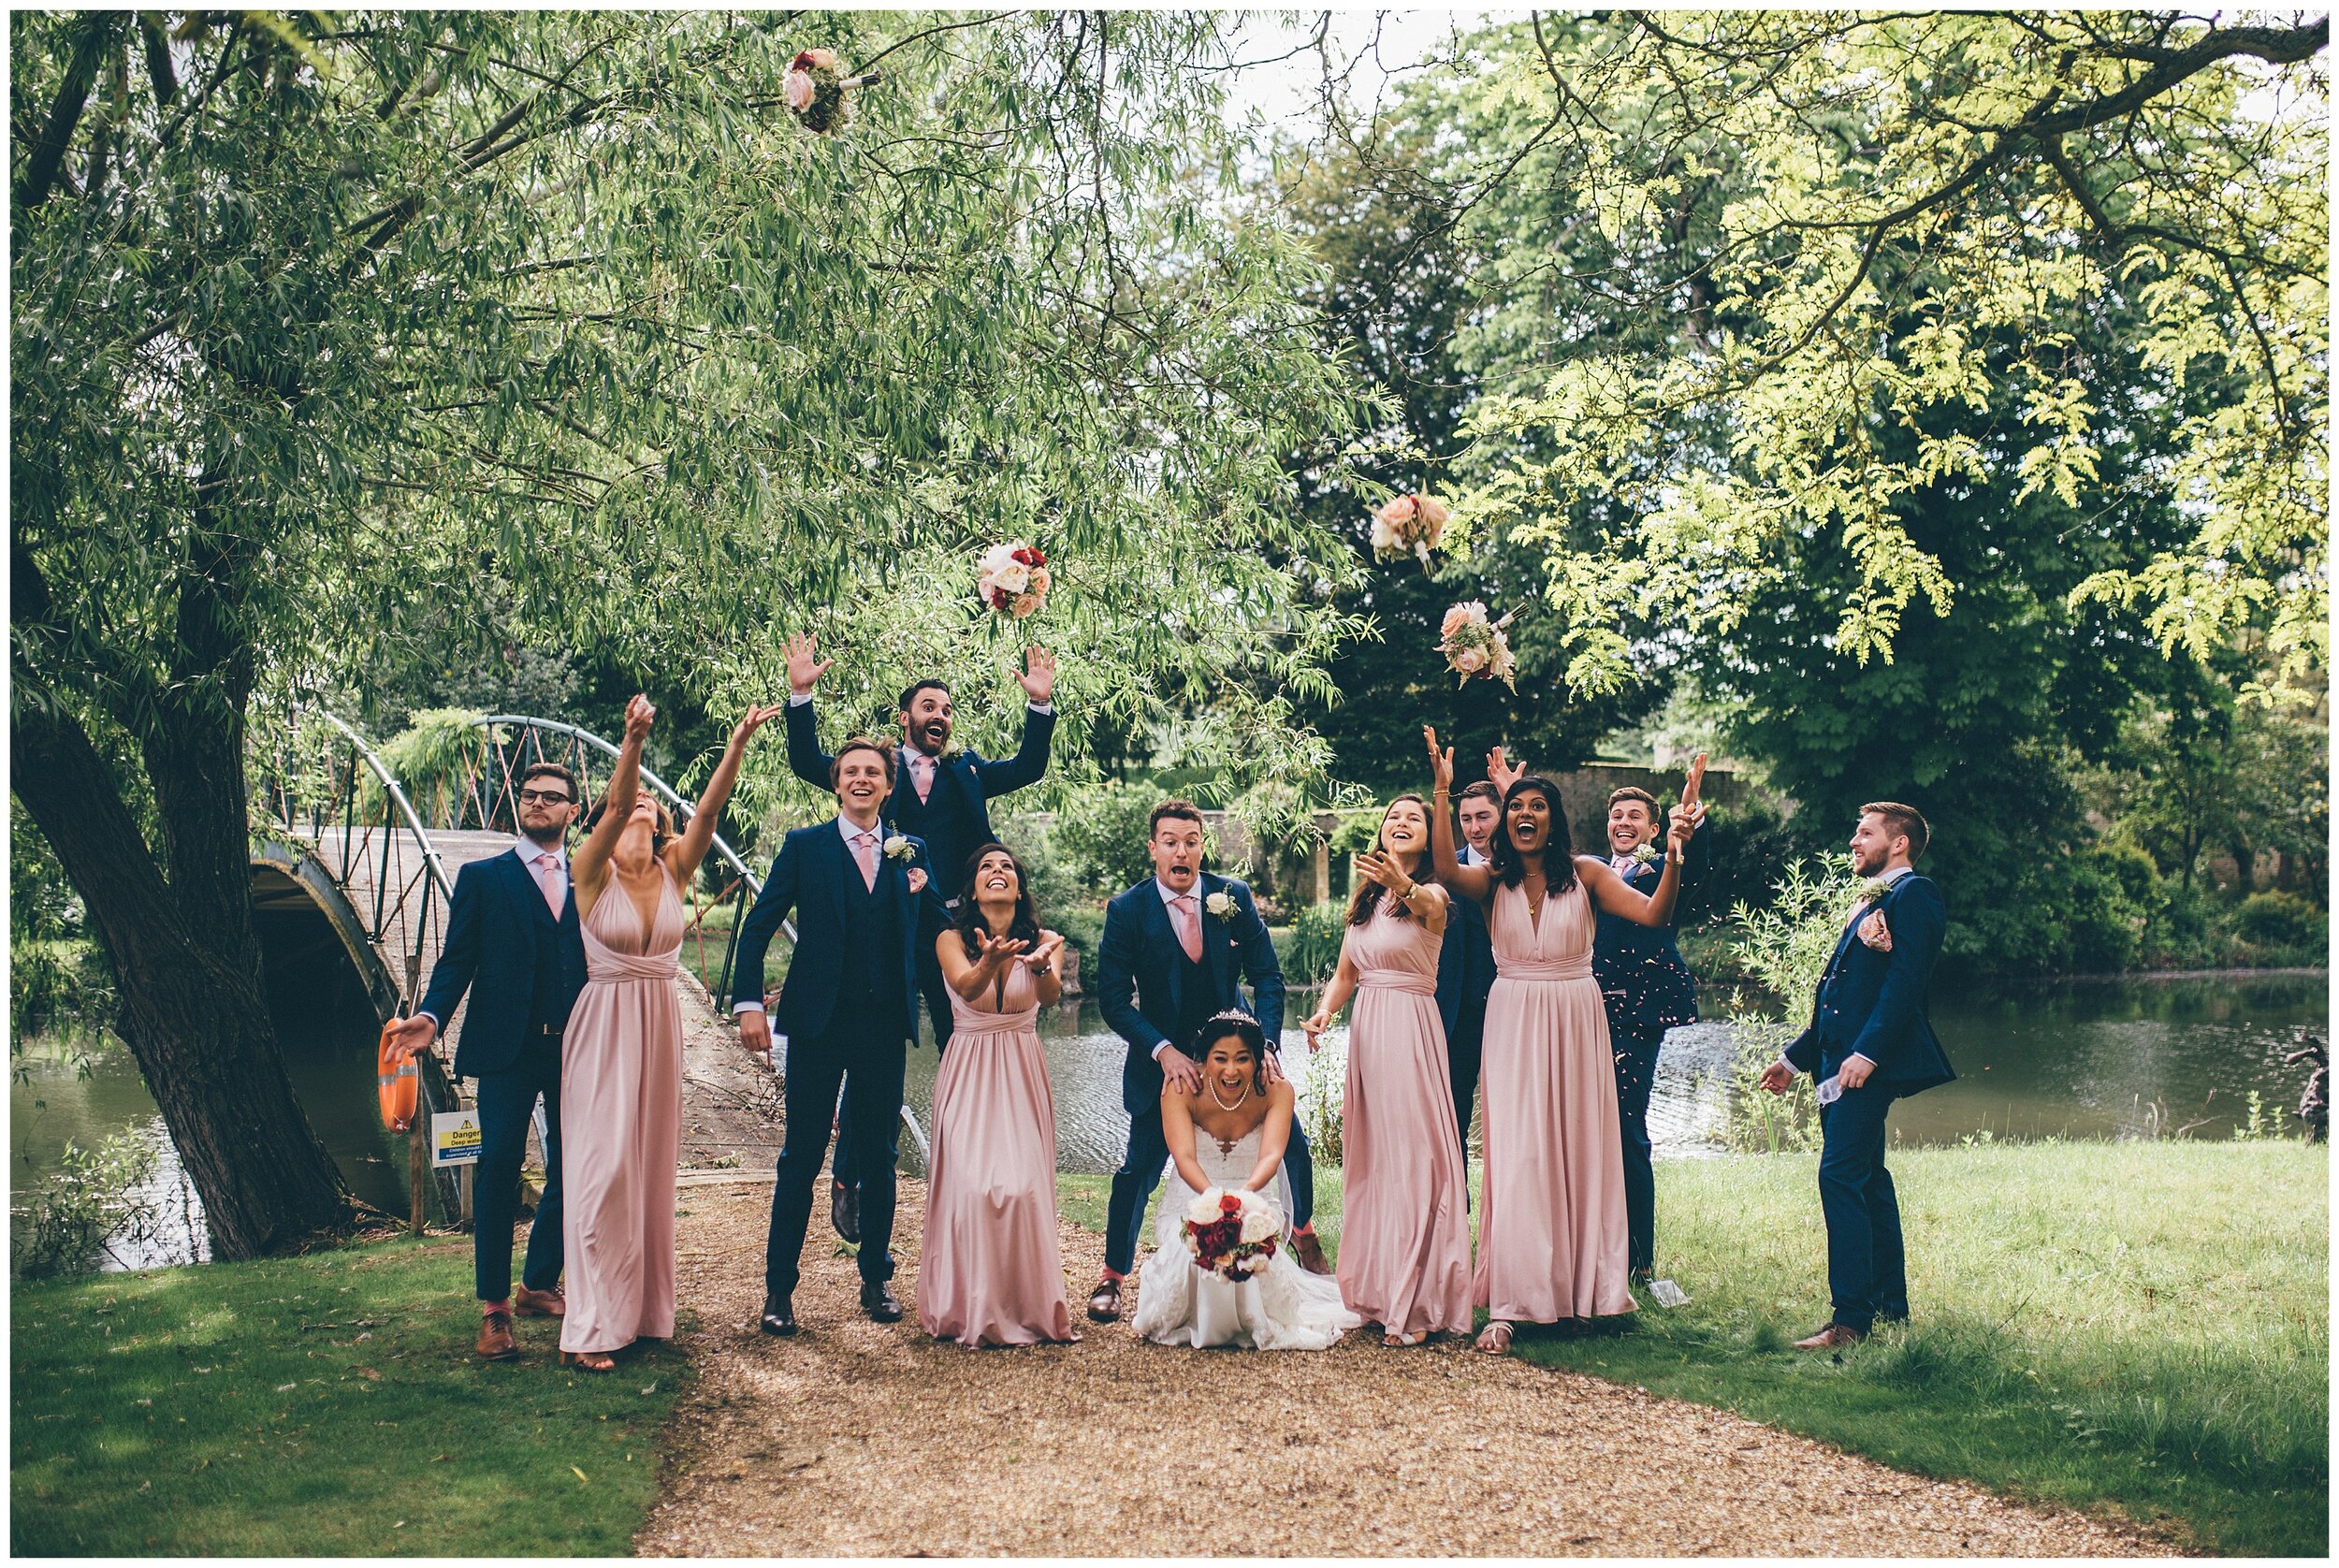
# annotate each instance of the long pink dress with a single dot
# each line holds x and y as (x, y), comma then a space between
(1404, 1240)
(1552, 1240)
(990, 1270)
(621, 1125)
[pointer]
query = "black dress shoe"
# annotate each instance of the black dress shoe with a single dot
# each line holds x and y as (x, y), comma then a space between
(878, 1301)
(779, 1315)
(844, 1211)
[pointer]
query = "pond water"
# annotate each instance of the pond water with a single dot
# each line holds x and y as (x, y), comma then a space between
(2082, 1059)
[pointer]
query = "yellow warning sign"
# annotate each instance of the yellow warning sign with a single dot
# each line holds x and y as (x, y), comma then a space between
(454, 1137)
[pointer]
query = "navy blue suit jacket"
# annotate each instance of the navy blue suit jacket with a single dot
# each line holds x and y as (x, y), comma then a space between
(1465, 961)
(809, 877)
(1136, 976)
(1872, 1004)
(976, 779)
(1643, 980)
(494, 924)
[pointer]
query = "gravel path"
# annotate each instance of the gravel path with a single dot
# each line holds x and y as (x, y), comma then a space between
(854, 1439)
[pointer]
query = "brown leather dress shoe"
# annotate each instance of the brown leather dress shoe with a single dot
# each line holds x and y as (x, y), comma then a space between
(1834, 1337)
(1104, 1302)
(542, 1303)
(1310, 1255)
(495, 1337)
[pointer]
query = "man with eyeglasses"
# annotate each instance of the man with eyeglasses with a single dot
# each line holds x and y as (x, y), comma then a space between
(514, 942)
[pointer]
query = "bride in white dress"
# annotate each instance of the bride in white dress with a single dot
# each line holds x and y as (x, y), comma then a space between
(1231, 1136)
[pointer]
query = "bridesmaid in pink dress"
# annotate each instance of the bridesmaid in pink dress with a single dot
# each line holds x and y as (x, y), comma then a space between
(621, 1056)
(990, 1270)
(1404, 1244)
(1552, 1237)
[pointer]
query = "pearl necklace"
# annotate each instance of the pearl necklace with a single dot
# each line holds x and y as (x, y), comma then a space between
(1221, 1104)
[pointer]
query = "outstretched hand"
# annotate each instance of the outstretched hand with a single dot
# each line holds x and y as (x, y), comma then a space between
(1441, 763)
(412, 1036)
(1695, 782)
(754, 719)
(997, 951)
(1375, 866)
(804, 664)
(1686, 818)
(1039, 674)
(1502, 774)
(1038, 960)
(639, 715)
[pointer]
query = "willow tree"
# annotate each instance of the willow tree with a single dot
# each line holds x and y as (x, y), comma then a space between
(1861, 231)
(317, 318)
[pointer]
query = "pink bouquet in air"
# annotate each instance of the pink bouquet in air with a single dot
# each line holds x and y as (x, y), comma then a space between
(817, 94)
(1014, 578)
(1407, 526)
(1475, 647)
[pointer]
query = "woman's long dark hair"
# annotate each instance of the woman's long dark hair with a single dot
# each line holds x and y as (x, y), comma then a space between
(1559, 850)
(1367, 896)
(661, 828)
(1242, 1026)
(970, 921)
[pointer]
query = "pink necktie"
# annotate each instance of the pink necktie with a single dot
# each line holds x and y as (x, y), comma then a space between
(922, 774)
(549, 879)
(1189, 926)
(864, 849)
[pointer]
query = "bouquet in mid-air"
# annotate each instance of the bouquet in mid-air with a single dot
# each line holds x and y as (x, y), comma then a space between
(1408, 524)
(1013, 579)
(1475, 647)
(819, 93)
(1232, 1234)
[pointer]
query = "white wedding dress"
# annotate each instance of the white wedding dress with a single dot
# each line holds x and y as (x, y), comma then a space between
(1287, 1308)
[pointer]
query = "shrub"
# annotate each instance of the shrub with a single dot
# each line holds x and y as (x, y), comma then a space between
(57, 982)
(1323, 1089)
(2103, 928)
(1312, 947)
(1356, 834)
(93, 1194)
(2275, 918)
(1099, 838)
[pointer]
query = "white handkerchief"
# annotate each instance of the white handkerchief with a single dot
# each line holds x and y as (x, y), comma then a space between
(1668, 1293)
(1832, 1090)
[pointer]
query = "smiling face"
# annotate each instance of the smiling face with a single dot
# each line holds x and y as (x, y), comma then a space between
(863, 780)
(1874, 845)
(1232, 1066)
(1528, 816)
(1404, 831)
(926, 722)
(1478, 816)
(1176, 849)
(996, 880)
(1629, 826)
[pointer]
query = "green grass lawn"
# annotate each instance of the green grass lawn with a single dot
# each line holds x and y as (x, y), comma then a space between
(320, 1405)
(2145, 1325)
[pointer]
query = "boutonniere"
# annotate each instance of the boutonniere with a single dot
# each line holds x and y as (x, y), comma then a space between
(1872, 890)
(1647, 854)
(1220, 904)
(899, 848)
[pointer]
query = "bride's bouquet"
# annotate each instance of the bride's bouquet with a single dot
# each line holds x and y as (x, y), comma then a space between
(1408, 526)
(818, 92)
(1475, 647)
(1013, 579)
(1232, 1234)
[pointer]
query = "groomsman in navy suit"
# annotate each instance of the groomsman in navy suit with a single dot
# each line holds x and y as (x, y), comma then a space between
(1868, 1043)
(1646, 990)
(1465, 959)
(849, 1008)
(938, 796)
(513, 941)
(1176, 949)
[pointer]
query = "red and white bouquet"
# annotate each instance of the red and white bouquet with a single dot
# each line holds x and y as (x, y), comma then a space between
(1014, 578)
(1475, 647)
(1408, 526)
(1232, 1234)
(819, 92)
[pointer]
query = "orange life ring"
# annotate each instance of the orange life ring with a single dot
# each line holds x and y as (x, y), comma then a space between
(399, 1079)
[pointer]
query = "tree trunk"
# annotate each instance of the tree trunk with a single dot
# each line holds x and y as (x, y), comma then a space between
(194, 1010)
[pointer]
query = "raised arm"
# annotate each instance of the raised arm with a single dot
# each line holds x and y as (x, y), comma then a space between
(1475, 882)
(972, 977)
(588, 868)
(1608, 890)
(1030, 761)
(685, 854)
(806, 759)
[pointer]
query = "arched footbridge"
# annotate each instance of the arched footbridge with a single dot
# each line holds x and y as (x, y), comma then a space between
(352, 869)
